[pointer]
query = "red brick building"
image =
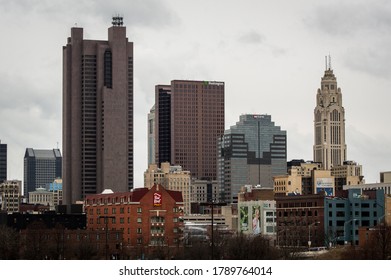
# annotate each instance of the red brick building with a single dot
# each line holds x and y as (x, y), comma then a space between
(300, 219)
(151, 219)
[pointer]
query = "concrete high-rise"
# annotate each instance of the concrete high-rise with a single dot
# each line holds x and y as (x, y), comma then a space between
(41, 167)
(3, 162)
(250, 153)
(189, 118)
(97, 113)
(329, 123)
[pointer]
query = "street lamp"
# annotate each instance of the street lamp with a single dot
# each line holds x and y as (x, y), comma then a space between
(107, 232)
(344, 229)
(309, 233)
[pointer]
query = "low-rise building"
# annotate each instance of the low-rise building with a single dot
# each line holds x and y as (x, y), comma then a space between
(150, 219)
(300, 220)
(10, 195)
(171, 177)
(344, 215)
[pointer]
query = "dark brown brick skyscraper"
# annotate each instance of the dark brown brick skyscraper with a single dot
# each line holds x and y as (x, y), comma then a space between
(197, 120)
(97, 113)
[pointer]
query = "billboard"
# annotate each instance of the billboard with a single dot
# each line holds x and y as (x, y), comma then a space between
(256, 219)
(243, 218)
(326, 185)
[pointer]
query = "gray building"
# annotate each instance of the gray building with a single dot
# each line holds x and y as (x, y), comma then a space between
(97, 113)
(250, 153)
(344, 216)
(41, 167)
(3, 162)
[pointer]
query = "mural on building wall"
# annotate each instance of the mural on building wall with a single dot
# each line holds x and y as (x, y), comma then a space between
(326, 185)
(256, 219)
(243, 218)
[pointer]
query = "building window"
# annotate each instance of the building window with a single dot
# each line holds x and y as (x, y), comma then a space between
(113, 210)
(139, 230)
(139, 210)
(139, 220)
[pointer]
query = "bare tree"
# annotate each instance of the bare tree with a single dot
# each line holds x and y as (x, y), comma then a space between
(9, 243)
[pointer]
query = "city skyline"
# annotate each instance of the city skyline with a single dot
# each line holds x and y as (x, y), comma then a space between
(271, 61)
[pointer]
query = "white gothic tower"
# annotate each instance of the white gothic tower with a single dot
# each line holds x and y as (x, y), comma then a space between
(329, 122)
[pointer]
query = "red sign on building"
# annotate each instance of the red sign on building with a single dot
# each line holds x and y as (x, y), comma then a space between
(157, 199)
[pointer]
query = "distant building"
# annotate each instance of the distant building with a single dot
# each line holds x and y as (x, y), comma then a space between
(162, 124)
(349, 173)
(10, 196)
(41, 167)
(3, 162)
(172, 178)
(300, 220)
(189, 118)
(56, 188)
(290, 183)
(385, 177)
(344, 215)
(329, 123)
(250, 153)
(151, 219)
(151, 136)
(204, 191)
(42, 196)
(97, 113)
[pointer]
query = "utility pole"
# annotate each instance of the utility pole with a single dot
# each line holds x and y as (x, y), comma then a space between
(107, 233)
(212, 204)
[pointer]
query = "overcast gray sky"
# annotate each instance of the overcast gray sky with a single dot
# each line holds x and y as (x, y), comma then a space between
(270, 54)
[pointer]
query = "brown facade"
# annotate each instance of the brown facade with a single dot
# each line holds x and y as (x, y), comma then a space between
(97, 114)
(300, 219)
(149, 218)
(197, 120)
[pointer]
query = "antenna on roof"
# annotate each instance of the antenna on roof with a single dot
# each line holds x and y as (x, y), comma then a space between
(326, 61)
(329, 61)
(118, 20)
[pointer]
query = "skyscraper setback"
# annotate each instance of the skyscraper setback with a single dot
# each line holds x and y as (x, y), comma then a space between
(97, 113)
(329, 123)
(189, 118)
(251, 152)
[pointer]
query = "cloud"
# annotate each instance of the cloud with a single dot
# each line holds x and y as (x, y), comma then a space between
(370, 150)
(152, 13)
(351, 19)
(251, 37)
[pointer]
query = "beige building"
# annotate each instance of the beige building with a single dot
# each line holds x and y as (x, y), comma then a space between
(204, 191)
(172, 178)
(10, 194)
(43, 197)
(329, 122)
(385, 177)
(289, 183)
(304, 178)
(388, 209)
(350, 173)
(323, 181)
